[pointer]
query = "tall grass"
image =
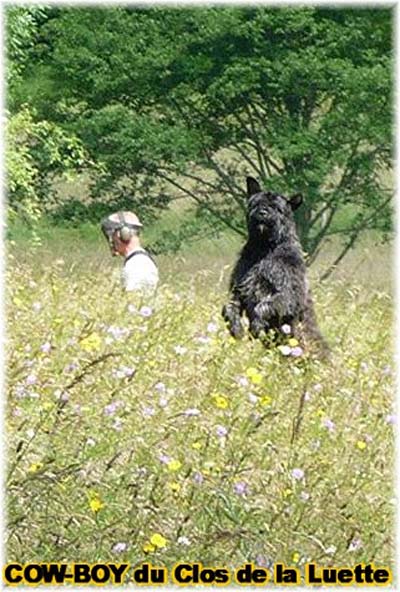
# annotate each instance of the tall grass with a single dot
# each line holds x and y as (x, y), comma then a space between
(128, 418)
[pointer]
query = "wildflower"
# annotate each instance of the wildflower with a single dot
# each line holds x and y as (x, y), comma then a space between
(148, 548)
(163, 402)
(90, 442)
(119, 547)
(148, 411)
(96, 504)
(256, 378)
(145, 311)
(111, 408)
(124, 372)
(286, 329)
(62, 396)
(212, 327)
(183, 540)
(158, 541)
(174, 465)
(192, 412)
(91, 343)
(117, 333)
(203, 339)
(164, 458)
(242, 381)
(198, 478)
(117, 424)
(250, 372)
(240, 488)
(287, 492)
(71, 367)
(221, 431)
(296, 352)
(361, 445)
(293, 342)
(296, 557)
(304, 496)
(35, 467)
(174, 486)
(31, 379)
(266, 400)
(285, 349)
(252, 398)
(45, 347)
(297, 474)
(196, 445)
(331, 550)
(160, 387)
(220, 401)
(328, 424)
(180, 350)
(36, 306)
(355, 545)
(317, 387)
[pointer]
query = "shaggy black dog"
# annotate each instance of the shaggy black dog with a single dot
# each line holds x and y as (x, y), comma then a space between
(269, 282)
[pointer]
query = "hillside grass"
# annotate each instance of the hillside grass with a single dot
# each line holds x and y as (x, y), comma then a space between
(129, 418)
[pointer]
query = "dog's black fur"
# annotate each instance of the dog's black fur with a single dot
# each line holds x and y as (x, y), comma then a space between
(269, 282)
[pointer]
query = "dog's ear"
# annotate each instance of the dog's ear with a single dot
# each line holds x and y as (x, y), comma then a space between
(295, 201)
(253, 186)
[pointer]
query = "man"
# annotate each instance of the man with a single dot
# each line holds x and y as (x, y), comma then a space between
(122, 232)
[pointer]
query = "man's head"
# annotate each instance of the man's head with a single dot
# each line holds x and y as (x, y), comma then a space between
(122, 232)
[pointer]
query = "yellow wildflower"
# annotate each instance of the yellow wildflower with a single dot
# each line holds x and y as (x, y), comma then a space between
(293, 342)
(296, 557)
(256, 378)
(196, 445)
(174, 486)
(251, 372)
(287, 492)
(96, 504)
(158, 541)
(361, 445)
(220, 401)
(35, 467)
(266, 400)
(148, 547)
(174, 465)
(91, 342)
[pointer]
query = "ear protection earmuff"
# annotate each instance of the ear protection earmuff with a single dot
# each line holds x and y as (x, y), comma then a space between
(125, 232)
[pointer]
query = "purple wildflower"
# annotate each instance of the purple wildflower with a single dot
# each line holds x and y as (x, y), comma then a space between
(31, 379)
(240, 488)
(355, 544)
(164, 459)
(297, 474)
(45, 347)
(212, 327)
(328, 424)
(221, 431)
(198, 478)
(192, 412)
(296, 351)
(119, 547)
(160, 387)
(146, 311)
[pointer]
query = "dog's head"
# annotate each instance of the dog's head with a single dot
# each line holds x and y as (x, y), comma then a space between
(269, 215)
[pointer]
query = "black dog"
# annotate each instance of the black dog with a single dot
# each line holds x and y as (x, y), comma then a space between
(269, 282)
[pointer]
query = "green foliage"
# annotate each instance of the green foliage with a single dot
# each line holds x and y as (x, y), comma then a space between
(189, 101)
(83, 427)
(36, 152)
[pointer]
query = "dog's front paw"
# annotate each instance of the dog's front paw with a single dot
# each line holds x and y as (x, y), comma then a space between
(233, 321)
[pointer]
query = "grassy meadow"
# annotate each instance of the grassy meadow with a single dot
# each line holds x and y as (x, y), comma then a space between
(139, 430)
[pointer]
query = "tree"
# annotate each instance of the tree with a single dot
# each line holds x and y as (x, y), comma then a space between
(195, 99)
